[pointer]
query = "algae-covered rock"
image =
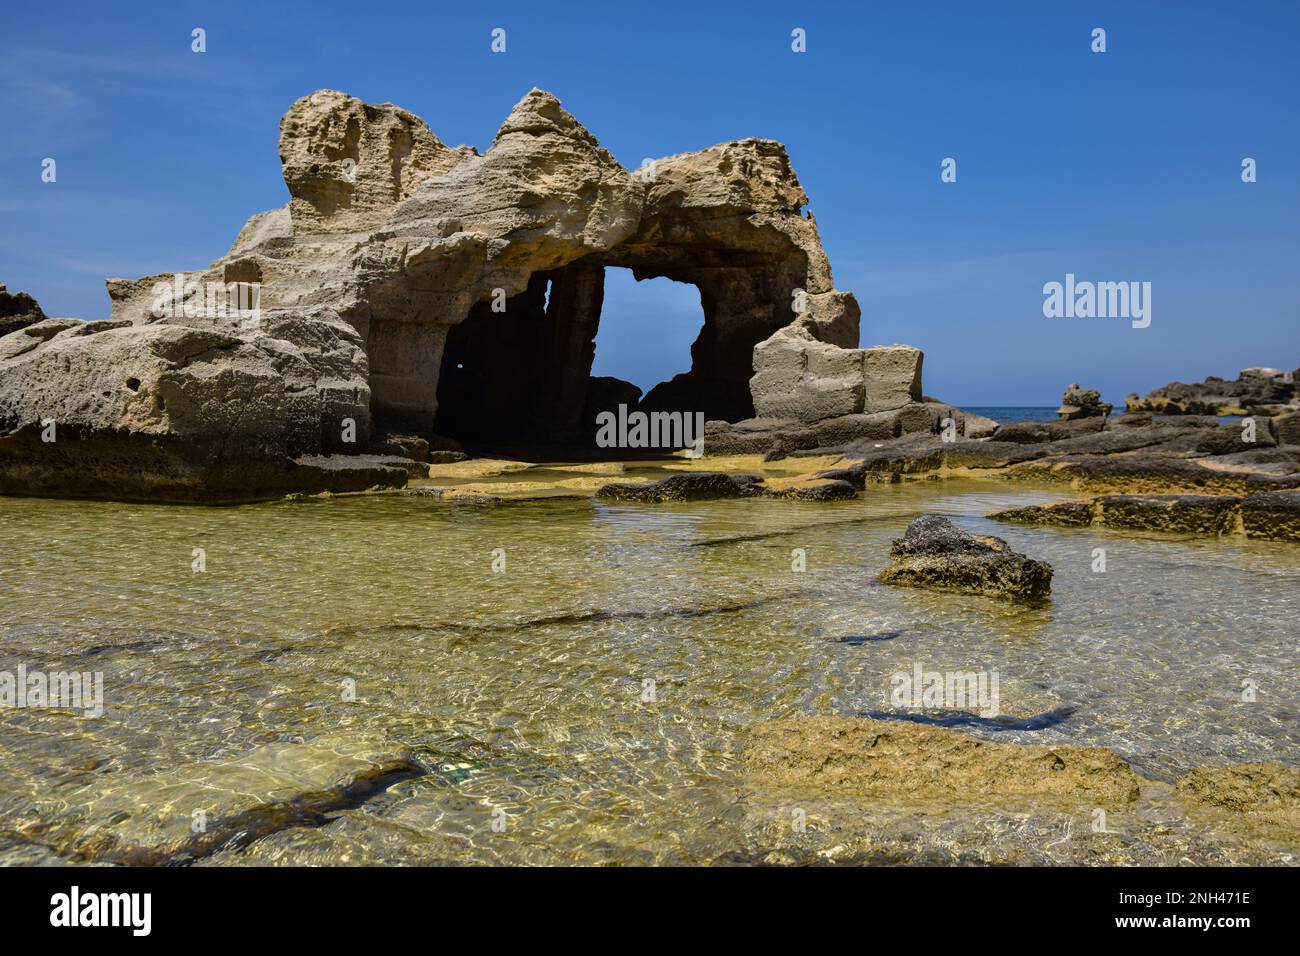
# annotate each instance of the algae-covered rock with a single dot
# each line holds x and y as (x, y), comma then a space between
(902, 760)
(694, 486)
(936, 554)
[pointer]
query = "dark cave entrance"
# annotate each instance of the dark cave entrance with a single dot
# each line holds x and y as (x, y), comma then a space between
(519, 371)
(523, 373)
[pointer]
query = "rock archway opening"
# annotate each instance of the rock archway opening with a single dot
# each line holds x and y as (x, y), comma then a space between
(647, 328)
(526, 368)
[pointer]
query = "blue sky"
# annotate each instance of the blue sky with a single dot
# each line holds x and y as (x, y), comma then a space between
(1116, 166)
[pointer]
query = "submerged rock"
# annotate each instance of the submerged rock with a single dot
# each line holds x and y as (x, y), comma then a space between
(809, 489)
(1248, 788)
(909, 761)
(936, 554)
(274, 787)
(690, 486)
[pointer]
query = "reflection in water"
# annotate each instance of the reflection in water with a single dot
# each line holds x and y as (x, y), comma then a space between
(590, 696)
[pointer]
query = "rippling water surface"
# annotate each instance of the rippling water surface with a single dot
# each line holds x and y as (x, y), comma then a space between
(329, 633)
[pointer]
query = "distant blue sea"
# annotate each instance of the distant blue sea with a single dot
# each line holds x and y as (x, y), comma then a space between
(1014, 413)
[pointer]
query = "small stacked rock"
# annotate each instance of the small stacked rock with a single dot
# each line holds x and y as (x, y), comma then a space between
(1082, 403)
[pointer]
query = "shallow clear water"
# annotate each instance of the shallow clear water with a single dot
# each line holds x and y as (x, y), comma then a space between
(524, 691)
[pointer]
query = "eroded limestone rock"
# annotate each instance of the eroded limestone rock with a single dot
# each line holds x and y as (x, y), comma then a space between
(1255, 390)
(693, 486)
(17, 311)
(412, 288)
(936, 554)
(1274, 515)
(898, 760)
(107, 409)
(1268, 789)
(1080, 402)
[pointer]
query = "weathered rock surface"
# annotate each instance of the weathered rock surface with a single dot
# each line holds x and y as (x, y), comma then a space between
(1271, 514)
(809, 489)
(1191, 454)
(701, 486)
(693, 486)
(1080, 402)
(1286, 429)
(1030, 433)
(1186, 514)
(107, 409)
(936, 554)
(470, 287)
(1254, 391)
(779, 437)
(874, 792)
(17, 311)
(906, 761)
(797, 376)
(1268, 789)
(1274, 515)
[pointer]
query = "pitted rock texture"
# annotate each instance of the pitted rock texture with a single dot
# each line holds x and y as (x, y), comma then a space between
(476, 281)
(17, 311)
(1080, 402)
(1260, 788)
(936, 554)
(1261, 391)
(1267, 514)
(698, 486)
(108, 409)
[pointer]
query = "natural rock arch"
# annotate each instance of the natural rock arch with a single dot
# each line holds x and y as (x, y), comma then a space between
(407, 240)
(394, 245)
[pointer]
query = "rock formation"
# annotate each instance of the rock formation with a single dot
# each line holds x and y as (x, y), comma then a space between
(1268, 789)
(1130, 454)
(1082, 403)
(935, 553)
(1265, 514)
(1256, 391)
(17, 311)
(709, 485)
(411, 290)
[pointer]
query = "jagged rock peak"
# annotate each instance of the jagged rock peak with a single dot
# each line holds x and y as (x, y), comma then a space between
(540, 112)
